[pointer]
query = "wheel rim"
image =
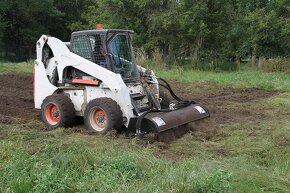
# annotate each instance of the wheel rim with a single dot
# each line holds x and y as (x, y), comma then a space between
(52, 114)
(98, 119)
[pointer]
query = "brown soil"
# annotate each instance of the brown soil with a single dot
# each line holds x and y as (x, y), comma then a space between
(226, 104)
(16, 97)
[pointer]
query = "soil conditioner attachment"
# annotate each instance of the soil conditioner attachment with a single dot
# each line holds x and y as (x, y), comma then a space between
(95, 76)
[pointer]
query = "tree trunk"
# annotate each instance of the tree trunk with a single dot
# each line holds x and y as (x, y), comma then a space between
(253, 59)
(261, 61)
(197, 49)
(30, 53)
(165, 53)
(238, 61)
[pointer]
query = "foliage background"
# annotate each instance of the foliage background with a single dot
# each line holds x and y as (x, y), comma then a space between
(183, 31)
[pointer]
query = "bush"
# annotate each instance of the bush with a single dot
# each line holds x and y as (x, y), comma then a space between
(278, 64)
(156, 61)
(216, 66)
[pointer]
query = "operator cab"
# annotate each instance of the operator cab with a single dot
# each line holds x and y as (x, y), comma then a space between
(111, 49)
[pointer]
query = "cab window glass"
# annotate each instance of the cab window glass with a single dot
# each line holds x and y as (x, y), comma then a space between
(82, 46)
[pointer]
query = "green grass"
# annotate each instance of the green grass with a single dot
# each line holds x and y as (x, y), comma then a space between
(37, 161)
(246, 78)
(34, 161)
(241, 157)
(23, 67)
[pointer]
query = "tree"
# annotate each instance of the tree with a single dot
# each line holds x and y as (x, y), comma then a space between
(24, 22)
(265, 24)
(199, 30)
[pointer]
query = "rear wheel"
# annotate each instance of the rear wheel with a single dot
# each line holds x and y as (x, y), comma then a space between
(57, 111)
(103, 114)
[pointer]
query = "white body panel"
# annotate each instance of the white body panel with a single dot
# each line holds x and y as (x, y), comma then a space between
(42, 86)
(78, 98)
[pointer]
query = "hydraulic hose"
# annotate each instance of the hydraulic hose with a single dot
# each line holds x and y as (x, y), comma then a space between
(168, 87)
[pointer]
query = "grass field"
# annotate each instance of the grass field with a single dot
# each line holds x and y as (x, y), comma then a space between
(249, 153)
(24, 67)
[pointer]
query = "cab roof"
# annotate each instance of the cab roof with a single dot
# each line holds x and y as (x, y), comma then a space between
(102, 31)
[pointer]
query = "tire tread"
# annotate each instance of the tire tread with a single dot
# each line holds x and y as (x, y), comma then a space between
(113, 112)
(65, 105)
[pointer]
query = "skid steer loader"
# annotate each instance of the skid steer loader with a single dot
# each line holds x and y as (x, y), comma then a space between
(95, 76)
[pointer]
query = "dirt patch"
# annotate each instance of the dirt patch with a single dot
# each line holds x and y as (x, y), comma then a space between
(5, 119)
(16, 97)
(209, 92)
(226, 104)
(242, 95)
(236, 105)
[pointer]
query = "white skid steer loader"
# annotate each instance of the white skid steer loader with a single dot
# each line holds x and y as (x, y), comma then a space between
(95, 76)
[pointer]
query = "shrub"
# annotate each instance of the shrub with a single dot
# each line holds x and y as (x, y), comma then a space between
(278, 64)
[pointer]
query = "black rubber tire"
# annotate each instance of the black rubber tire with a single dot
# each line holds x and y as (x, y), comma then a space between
(65, 109)
(165, 100)
(114, 115)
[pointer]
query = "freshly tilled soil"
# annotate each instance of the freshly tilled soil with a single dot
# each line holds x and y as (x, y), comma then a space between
(16, 97)
(225, 103)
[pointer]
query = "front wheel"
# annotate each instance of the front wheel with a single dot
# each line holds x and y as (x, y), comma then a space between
(103, 114)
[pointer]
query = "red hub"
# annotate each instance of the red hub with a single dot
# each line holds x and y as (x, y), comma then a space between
(101, 118)
(52, 114)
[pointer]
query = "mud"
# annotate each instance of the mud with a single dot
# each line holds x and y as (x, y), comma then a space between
(226, 104)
